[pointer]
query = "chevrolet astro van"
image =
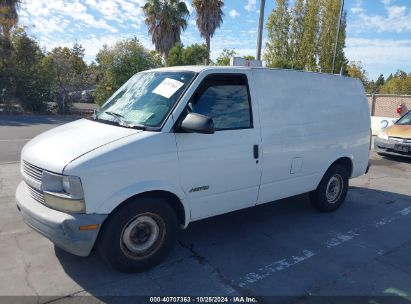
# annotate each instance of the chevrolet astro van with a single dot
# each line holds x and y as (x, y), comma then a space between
(176, 145)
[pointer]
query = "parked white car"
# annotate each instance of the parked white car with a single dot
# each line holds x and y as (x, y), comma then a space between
(176, 145)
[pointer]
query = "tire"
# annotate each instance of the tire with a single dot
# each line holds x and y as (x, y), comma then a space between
(139, 235)
(335, 184)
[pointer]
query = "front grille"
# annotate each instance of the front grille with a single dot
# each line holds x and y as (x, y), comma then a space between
(32, 171)
(36, 194)
(401, 140)
(33, 176)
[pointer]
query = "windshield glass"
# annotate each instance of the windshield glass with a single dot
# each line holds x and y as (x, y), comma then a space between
(145, 99)
(405, 120)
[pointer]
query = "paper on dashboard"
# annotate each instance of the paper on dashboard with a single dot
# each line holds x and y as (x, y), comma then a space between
(168, 87)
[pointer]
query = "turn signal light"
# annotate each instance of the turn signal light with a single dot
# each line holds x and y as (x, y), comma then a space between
(88, 227)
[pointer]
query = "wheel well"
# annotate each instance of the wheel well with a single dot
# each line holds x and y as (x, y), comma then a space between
(171, 198)
(346, 162)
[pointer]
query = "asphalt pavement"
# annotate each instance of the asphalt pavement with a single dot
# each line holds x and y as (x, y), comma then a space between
(283, 252)
(16, 131)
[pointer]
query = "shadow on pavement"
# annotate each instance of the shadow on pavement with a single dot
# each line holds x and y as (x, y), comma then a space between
(401, 159)
(238, 243)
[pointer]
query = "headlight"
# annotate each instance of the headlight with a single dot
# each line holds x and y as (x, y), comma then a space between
(383, 135)
(63, 193)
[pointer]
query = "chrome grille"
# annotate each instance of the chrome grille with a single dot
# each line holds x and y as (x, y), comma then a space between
(32, 175)
(32, 171)
(36, 194)
(401, 140)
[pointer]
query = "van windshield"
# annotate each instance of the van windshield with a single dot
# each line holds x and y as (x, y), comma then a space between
(145, 99)
(405, 120)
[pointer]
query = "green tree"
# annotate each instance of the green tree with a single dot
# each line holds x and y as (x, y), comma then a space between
(400, 74)
(380, 81)
(400, 83)
(225, 57)
(278, 26)
(69, 73)
(376, 86)
(329, 21)
(249, 57)
(355, 69)
(340, 60)
(8, 16)
(6, 68)
(77, 58)
(195, 54)
(118, 63)
(309, 38)
(296, 33)
(165, 20)
(209, 18)
(32, 84)
(175, 56)
(8, 20)
(59, 64)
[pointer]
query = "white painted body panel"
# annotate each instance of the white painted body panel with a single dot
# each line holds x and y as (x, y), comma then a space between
(315, 118)
(143, 162)
(222, 161)
(303, 122)
(54, 149)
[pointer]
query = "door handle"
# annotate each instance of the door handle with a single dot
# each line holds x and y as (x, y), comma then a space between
(255, 150)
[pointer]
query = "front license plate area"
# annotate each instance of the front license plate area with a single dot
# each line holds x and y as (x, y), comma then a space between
(402, 148)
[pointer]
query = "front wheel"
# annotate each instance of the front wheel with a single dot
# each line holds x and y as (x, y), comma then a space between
(332, 190)
(139, 235)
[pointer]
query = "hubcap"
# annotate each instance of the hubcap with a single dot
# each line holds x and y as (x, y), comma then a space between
(334, 188)
(140, 234)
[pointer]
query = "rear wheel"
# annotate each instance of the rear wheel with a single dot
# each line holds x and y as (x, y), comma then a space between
(139, 235)
(332, 190)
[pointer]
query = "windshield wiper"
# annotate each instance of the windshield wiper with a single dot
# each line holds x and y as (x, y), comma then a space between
(122, 122)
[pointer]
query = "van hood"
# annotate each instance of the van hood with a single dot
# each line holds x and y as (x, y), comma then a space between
(54, 149)
(402, 131)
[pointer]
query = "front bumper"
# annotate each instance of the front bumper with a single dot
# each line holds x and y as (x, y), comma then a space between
(59, 227)
(386, 147)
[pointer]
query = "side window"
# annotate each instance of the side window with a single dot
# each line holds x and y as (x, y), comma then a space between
(224, 98)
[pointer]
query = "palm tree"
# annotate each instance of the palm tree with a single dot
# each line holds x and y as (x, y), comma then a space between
(8, 15)
(165, 19)
(209, 18)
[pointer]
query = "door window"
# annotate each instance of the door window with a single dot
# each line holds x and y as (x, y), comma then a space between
(226, 99)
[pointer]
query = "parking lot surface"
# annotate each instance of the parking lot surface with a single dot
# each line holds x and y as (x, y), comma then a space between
(16, 131)
(285, 249)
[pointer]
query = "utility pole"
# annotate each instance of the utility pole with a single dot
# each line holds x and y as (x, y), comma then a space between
(338, 35)
(260, 29)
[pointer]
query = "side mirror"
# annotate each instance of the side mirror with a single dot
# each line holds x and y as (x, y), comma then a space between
(197, 123)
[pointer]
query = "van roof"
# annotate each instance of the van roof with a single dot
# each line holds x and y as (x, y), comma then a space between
(199, 68)
(196, 68)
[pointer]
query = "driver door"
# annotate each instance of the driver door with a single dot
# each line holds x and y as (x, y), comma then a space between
(221, 172)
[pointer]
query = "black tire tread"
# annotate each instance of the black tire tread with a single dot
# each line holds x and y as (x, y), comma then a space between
(108, 244)
(318, 198)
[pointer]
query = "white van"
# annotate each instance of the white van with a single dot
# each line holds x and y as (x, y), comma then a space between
(176, 145)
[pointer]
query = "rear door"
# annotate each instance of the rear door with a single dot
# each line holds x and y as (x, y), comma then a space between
(221, 172)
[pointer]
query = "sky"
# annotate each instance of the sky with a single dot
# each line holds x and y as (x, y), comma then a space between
(378, 31)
